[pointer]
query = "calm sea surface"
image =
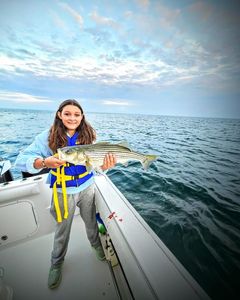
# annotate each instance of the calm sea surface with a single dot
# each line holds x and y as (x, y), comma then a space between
(190, 196)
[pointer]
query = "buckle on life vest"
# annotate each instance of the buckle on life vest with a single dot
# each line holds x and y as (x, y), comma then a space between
(75, 177)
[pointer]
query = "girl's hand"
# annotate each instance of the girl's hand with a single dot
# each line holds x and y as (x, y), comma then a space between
(53, 162)
(109, 161)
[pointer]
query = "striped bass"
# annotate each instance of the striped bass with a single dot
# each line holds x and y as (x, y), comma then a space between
(92, 156)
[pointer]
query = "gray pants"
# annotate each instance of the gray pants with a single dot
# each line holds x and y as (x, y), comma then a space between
(85, 200)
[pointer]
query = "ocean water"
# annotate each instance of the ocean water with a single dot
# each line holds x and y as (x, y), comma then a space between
(190, 196)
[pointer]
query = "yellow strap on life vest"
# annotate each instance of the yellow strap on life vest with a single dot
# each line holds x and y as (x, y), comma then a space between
(56, 203)
(68, 177)
(64, 190)
(61, 178)
(58, 176)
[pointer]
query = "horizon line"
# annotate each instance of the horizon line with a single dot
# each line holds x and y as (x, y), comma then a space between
(129, 113)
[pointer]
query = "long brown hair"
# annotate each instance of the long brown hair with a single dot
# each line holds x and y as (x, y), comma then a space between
(57, 134)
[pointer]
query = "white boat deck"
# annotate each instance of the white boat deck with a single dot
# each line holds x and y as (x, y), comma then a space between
(26, 267)
(139, 265)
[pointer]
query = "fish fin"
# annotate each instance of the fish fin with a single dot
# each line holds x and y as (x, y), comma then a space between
(89, 168)
(124, 144)
(102, 143)
(148, 160)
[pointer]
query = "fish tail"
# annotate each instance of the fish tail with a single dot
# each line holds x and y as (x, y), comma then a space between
(148, 160)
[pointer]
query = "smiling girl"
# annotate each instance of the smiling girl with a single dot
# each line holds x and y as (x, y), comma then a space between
(69, 128)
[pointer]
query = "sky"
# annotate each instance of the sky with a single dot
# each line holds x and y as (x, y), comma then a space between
(156, 57)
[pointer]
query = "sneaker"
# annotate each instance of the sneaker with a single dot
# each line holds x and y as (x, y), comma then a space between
(99, 252)
(55, 276)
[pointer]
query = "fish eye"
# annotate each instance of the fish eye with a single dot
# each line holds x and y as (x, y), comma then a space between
(69, 151)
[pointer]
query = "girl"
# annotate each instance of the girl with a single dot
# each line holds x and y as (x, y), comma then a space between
(69, 128)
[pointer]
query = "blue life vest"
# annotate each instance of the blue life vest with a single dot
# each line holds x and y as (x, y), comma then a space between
(75, 174)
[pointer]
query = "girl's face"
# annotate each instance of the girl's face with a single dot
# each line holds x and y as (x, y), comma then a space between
(71, 117)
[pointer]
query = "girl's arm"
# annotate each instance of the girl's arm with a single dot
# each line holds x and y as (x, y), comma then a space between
(49, 162)
(37, 150)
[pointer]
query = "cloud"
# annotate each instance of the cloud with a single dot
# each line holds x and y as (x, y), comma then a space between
(203, 9)
(117, 102)
(167, 15)
(216, 25)
(61, 24)
(155, 72)
(25, 52)
(99, 20)
(158, 23)
(77, 17)
(128, 14)
(6, 96)
(143, 3)
(101, 37)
